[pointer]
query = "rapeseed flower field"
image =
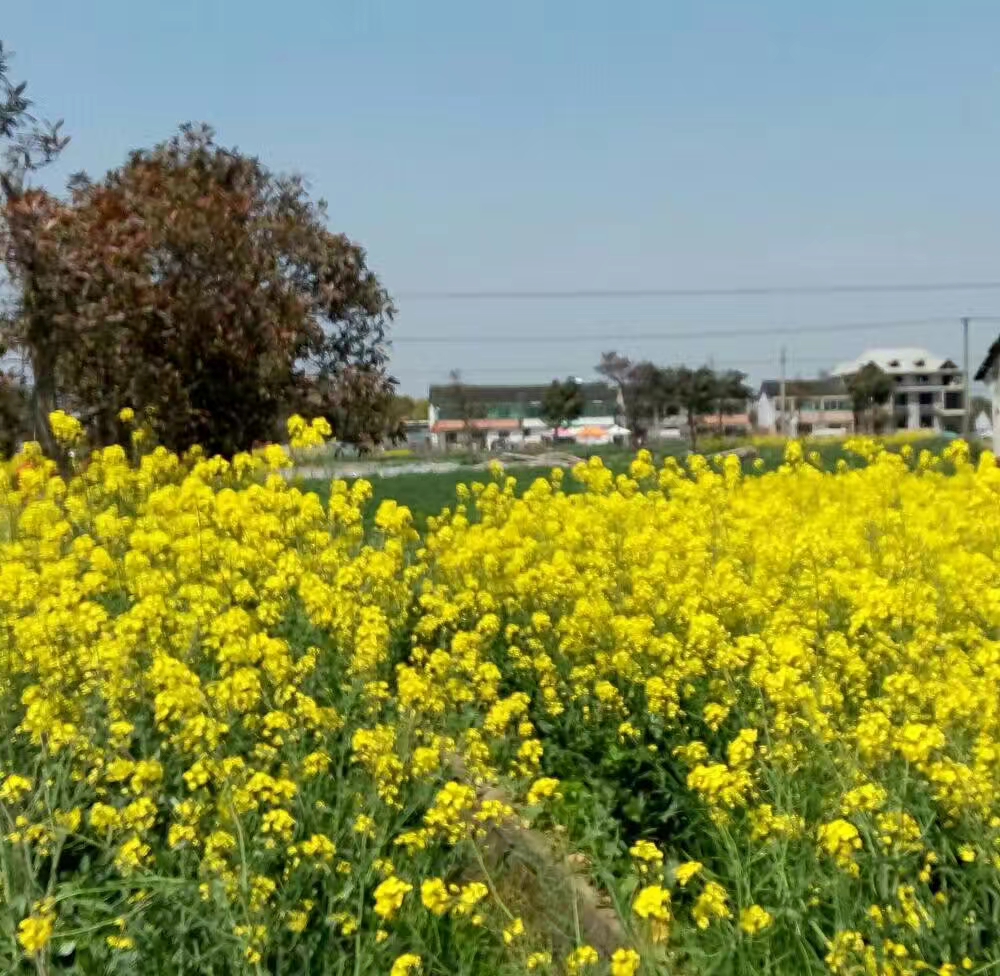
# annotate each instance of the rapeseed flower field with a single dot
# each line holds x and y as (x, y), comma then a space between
(686, 720)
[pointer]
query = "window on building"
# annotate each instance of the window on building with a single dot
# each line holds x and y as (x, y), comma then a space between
(894, 364)
(926, 399)
(953, 401)
(923, 378)
(902, 399)
(926, 420)
(918, 362)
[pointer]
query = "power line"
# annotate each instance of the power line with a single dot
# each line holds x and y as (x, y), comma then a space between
(619, 337)
(739, 291)
(441, 371)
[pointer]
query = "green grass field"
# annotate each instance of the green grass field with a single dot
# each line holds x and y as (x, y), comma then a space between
(428, 493)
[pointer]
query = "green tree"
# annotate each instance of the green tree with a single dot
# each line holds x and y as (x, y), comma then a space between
(463, 406)
(562, 404)
(870, 387)
(194, 281)
(692, 393)
(731, 393)
(622, 372)
(26, 143)
(411, 408)
(651, 397)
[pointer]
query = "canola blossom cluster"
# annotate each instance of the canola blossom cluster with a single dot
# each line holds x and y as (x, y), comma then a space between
(681, 720)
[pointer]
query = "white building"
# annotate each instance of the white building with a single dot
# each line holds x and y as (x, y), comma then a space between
(503, 417)
(989, 373)
(928, 390)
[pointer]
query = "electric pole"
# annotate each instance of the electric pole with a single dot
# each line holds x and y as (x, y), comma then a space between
(783, 427)
(966, 393)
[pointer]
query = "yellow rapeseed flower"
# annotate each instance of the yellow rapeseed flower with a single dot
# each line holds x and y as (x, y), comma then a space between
(35, 932)
(625, 962)
(755, 919)
(406, 965)
(389, 896)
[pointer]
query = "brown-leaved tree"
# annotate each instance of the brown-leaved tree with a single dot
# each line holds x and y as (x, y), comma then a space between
(194, 283)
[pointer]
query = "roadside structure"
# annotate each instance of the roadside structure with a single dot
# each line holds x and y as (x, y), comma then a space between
(495, 417)
(989, 373)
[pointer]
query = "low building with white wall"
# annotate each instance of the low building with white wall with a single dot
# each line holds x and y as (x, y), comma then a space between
(817, 407)
(497, 417)
(989, 373)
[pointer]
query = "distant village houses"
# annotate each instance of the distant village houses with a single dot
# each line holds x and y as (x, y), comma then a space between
(501, 417)
(818, 407)
(927, 393)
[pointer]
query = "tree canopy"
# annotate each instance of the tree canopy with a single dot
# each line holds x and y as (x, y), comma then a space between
(412, 408)
(562, 404)
(870, 387)
(731, 392)
(26, 143)
(692, 392)
(360, 405)
(651, 392)
(194, 282)
(639, 388)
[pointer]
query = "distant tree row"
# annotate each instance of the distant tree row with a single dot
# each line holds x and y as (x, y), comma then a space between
(650, 393)
(190, 282)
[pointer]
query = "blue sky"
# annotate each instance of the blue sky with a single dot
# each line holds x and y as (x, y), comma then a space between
(535, 145)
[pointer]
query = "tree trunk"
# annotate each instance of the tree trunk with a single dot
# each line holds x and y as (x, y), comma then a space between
(43, 401)
(693, 429)
(42, 356)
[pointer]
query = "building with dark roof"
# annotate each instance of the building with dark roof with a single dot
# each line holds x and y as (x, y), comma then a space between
(499, 415)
